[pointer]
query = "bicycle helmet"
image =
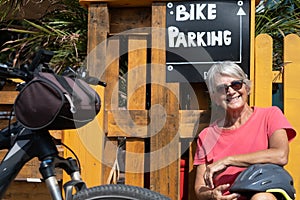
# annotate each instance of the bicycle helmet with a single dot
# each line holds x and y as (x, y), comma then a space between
(264, 178)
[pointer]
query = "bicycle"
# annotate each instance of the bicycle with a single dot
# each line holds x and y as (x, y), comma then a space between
(23, 144)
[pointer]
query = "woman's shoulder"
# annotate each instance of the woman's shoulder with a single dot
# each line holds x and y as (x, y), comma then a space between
(271, 109)
(211, 128)
(272, 113)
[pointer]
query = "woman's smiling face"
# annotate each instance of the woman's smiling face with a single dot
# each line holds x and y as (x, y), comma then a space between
(229, 98)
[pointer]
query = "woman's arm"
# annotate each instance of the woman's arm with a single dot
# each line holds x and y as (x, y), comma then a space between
(201, 190)
(277, 153)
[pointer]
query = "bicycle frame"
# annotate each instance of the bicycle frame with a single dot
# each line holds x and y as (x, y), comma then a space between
(29, 144)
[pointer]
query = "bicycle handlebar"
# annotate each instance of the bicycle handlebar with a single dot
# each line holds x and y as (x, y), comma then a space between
(43, 57)
(94, 81)
(10, 72)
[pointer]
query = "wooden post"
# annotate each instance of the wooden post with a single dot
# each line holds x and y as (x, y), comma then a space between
(262, 87)
(164, 148)
(135, 147)
(192, 171)
(291, 100)
(253, 4)
(98, 29)
(111, 77)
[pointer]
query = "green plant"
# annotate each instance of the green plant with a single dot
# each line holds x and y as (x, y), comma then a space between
(63, 31)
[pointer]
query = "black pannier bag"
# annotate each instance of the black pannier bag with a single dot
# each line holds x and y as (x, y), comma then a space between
(56, 102)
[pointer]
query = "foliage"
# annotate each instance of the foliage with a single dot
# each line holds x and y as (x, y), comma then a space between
(62, 31)
(278, 18)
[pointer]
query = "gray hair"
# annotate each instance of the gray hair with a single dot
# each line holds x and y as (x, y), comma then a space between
(226, 68)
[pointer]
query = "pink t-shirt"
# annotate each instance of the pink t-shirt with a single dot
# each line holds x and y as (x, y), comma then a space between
(214, 143)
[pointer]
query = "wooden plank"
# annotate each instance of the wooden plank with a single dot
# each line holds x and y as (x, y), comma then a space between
(192, 122)
(137, 61)
(262, 88)
(136, 95)
(164, 114)
(135, 160)
(128, 123)
(108, 160)
(111, 74)
(5, 110)
(98, 29)
(20, 190)
(8, 97)
(291, 100)
(122, 21)
(253, 3)
(192, 171)
(111, 101)
(11, 84)
(103, 58)
(4, 123)
(132, 123)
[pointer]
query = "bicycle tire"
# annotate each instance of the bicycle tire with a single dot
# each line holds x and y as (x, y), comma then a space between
(118, 192)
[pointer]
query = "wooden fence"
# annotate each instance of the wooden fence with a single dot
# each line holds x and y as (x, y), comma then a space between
(263, 80)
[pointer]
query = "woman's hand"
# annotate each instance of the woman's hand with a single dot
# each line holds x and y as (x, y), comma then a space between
(204, 192)
(217, 193)
(212, 170)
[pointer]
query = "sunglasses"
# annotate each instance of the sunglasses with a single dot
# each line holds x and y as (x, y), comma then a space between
(236, 85)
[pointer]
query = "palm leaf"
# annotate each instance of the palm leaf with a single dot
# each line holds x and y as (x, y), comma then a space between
(63, 32)
(39, 27)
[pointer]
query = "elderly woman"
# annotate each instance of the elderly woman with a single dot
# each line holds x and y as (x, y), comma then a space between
(238, 137)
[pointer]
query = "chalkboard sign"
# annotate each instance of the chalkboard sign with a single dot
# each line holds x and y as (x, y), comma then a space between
(201, 33)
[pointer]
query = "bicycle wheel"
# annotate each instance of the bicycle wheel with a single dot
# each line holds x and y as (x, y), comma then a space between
(118, 192)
